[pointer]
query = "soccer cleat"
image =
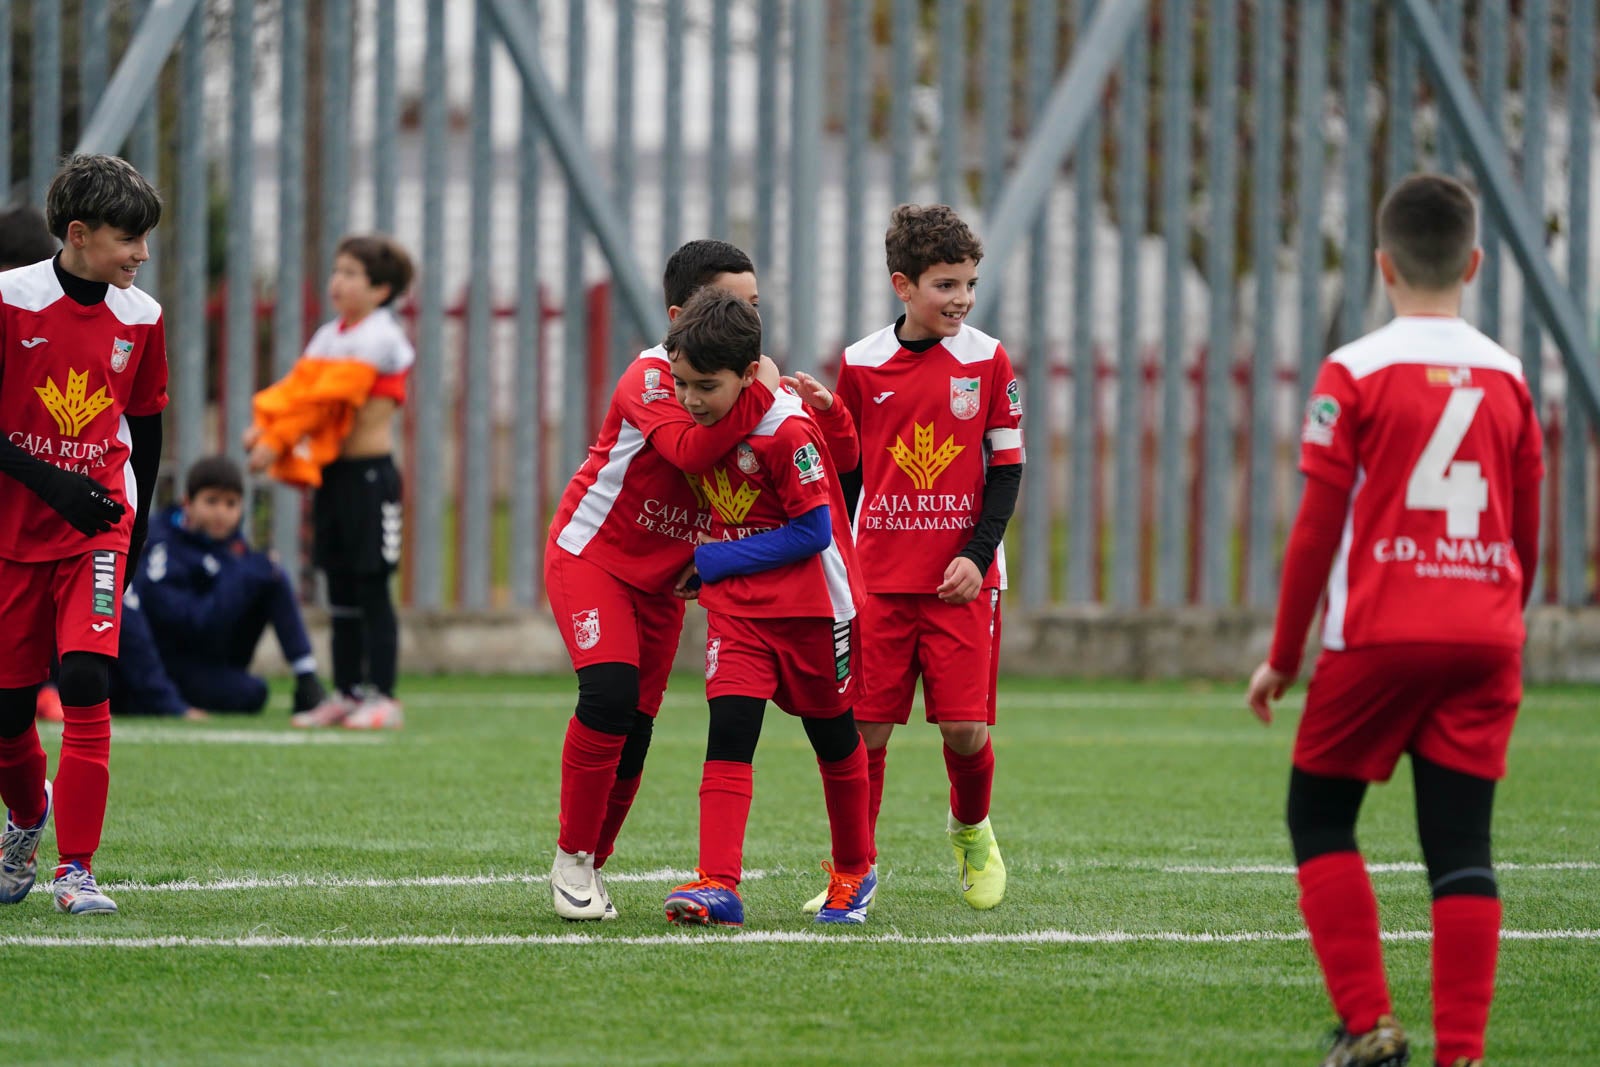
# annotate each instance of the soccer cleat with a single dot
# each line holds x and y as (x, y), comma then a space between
(19, 851)
(814, 905)
(77, 894)
(333, 710)
(983, 872)
(605, 894)
(849, 896)
(376, 713)
(1385, 1045)
(705, 902)
(575, 888)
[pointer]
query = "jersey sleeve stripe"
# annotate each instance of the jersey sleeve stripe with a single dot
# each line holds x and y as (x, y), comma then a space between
(1339, 577)
(599, 498)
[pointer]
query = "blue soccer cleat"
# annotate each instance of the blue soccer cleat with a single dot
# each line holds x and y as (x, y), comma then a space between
(19, 851)
(705, 902)
(848, 897)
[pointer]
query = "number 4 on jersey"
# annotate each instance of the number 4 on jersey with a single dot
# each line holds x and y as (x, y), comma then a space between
(1456, 488)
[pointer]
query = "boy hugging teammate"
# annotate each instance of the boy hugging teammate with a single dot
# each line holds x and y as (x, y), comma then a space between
(778, 585)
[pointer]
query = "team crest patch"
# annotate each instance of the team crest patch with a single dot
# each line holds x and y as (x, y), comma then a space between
(712, 646)
(747, 459)
(586, 628)
(964, 397)
(808, 463)
(652, 387)
(1014, 398)
(121, 352)
(1322, 414)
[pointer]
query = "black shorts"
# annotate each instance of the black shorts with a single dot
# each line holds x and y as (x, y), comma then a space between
(357, 517)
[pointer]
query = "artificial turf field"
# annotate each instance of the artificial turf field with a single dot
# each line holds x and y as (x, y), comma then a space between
(332, 897)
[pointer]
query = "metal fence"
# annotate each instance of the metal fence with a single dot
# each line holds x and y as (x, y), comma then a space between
(1177, 198)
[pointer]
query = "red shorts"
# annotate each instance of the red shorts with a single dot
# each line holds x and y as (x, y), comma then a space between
(60, 606)
(954, 648)
(1451, 704)
(603, 619)
(805, 666)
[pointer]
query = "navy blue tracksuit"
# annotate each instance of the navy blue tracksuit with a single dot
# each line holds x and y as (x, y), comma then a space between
(206, 604)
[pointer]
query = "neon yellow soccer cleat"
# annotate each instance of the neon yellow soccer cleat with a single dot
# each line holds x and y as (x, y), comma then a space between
(983, 872)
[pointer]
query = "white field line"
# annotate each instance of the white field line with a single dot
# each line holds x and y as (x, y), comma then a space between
(191, 734)
(696, 940)
(669, 876)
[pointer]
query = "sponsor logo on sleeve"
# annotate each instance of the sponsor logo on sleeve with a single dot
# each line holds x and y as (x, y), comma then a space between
(653, 390)
(1014, 398)
(808, 463)
(586, 628)
(1322, 415)
(964, 397)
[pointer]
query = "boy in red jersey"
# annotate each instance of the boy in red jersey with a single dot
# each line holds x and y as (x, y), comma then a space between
(939, 412)
(83, 381)
(623, 534)
(780, 593)
(1422, 455)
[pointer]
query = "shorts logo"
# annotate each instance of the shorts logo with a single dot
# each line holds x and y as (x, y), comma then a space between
(712, 646)
(1322, 415)
(652, 387)
(747, 459)
(841, 654)
(1014, 398)
(105, 584)
(121, 352)
(101, 627)
(964, 397)
(77, 407)
(586, 628)
(808, 463)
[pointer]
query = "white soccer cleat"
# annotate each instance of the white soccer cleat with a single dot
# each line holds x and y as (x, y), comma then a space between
(76, 893)
(605, 894)
(19, 852)
(376, 713)
(334, 709)
(575, 887)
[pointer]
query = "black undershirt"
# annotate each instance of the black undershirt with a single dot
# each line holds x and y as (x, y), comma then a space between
(81, 290)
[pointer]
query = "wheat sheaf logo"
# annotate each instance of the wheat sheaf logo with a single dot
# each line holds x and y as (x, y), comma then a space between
(923, 463)
(732, 505)
(76, 408)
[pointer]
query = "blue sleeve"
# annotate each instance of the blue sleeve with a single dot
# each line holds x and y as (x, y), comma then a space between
(140, 667)
(803, 536)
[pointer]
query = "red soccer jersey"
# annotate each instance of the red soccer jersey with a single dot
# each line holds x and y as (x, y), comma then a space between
(630, 509)
(68, 376)
(931, 424)
(1428, 426)
(777, 474)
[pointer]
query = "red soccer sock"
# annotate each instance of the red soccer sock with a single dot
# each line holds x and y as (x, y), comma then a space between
(22, 770)
(971, 779)
(725, 790)
(1342, 915)
(82, 778)
(623, 790)
(845, 791)
(1466, 941)
(876, 757)
(588, 767)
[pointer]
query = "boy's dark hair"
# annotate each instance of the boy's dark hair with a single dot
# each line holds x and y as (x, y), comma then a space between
(101, 191)
(716, 330)
(923, 235)
(695, 263)
(384, 260)
(213, 472)
(24, 238)
(1428, 224)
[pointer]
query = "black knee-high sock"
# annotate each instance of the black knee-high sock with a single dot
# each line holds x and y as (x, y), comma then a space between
(349, 646)
(382, 631)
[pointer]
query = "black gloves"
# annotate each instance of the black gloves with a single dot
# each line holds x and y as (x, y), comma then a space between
(79, 499)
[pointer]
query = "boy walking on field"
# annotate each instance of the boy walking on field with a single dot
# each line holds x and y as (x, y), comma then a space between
(1422, 455)
(938, 411)
(83, 381)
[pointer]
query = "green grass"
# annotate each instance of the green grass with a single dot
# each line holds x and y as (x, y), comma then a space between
(1100, 792)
